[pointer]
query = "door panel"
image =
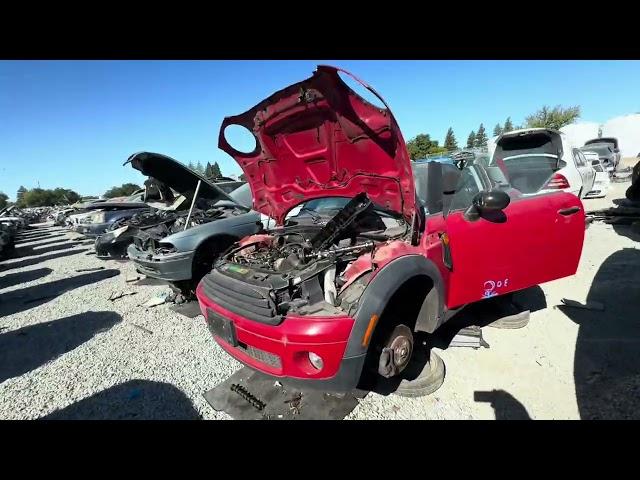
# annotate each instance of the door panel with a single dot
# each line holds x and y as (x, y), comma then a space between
(535, 244)
(587, 174)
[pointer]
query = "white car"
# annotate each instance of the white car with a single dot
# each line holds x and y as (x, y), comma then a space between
(601, 185)
(540, 160)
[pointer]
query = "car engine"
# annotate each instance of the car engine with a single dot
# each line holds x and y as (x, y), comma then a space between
(299, 267)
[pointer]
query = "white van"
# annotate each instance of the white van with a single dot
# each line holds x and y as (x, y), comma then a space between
(539, 160)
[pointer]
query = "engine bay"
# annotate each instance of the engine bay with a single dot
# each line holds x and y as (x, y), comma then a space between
(148, 228)
(302, 266)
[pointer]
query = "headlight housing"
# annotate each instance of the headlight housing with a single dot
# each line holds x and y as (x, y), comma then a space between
(98, 217)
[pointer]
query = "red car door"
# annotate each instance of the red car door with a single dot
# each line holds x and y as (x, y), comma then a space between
(540, 240)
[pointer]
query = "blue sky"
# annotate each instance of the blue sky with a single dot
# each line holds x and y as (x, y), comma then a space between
(73, 123)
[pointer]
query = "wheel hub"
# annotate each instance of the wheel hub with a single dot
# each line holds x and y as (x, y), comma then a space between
(397, 352)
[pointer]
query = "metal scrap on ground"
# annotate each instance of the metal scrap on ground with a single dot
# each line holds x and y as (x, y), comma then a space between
(115, 296)
(95, 269)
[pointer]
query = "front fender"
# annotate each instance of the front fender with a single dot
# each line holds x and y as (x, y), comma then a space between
(384, 285)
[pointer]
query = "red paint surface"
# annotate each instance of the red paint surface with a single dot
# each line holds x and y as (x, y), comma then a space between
(535, 245)
(291, 340)
(332, 143)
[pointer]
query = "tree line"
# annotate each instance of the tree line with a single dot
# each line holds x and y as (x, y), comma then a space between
(44, 197)
(555, 118)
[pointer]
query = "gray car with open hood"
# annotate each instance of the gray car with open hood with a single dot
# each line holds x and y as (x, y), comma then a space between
(183, 242)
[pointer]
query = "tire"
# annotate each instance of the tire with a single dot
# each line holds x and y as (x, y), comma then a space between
(427, 382)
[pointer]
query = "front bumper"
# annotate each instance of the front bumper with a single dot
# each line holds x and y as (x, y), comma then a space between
(282, 350)
(106, 246)
(172, 267)
(91, 230)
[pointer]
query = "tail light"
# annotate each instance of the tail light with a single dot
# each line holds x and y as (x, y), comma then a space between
(558, 181)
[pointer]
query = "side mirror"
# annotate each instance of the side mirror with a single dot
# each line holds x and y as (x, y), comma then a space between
(489, 205)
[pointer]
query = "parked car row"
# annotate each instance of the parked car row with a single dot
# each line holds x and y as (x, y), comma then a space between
(340, 256)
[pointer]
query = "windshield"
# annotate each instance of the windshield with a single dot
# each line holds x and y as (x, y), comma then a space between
(320, 210)
(328, 206)
(599, 149)
(241, 195)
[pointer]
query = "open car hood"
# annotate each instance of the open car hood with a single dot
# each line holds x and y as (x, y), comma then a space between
(318, 138)
(176, 176)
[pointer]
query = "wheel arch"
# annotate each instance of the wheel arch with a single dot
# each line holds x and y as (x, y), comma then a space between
(218, 243)
(398, 279)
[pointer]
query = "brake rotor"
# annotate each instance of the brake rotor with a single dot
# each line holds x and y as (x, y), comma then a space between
(397, 351)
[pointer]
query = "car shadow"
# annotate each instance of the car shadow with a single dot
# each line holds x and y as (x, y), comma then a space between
(25, 298)
(132, 400)
(31, 251)
(30, 347)
(23, 277)
(22, 247)
(35, 260)
(607, 354)
(33, 238)
(505, 406)
(487, 311)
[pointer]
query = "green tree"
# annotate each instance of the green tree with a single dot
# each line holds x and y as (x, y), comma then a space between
(123, 190)
(216, 170)
(199, 168)
(3, 199)
(191, 166)
(422, 146)
(40, 197)
(554, 118)
(471, 140)
(208, 171)
(508, 126)
(20, 196)
(243, 177)
(497, 130)
(450, 142)
(481, 137)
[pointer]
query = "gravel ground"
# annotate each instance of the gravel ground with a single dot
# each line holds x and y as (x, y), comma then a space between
(75, 354)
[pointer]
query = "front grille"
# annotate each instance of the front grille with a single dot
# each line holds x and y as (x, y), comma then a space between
(263, 357)
(248, 300)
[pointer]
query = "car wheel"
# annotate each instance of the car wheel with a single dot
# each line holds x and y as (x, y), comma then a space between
(430, 379)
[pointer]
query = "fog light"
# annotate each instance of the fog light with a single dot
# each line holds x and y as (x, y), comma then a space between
(316, 361)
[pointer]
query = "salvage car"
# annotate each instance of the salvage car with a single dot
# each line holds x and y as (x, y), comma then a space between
(100, 218)
(344, 290)
(602, 182)
(608, 149)
(180, 246)
(6, 240)
(115, 242)
(540, 160)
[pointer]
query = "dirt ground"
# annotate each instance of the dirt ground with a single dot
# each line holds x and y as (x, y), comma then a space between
(567, 363)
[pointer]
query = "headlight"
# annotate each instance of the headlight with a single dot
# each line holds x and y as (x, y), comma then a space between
(98, 217)
(119, 231)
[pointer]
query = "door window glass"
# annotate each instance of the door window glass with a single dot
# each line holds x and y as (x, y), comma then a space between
(469, 185)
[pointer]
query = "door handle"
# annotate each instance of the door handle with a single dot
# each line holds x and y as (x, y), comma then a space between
(569, 211)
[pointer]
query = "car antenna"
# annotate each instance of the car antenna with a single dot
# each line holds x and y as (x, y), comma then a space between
(193, 202)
